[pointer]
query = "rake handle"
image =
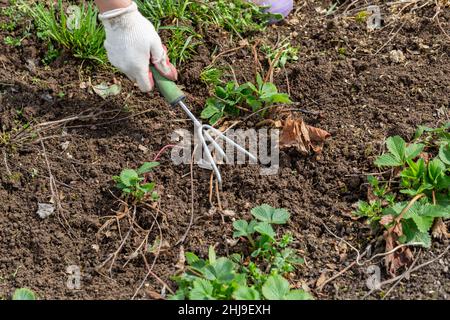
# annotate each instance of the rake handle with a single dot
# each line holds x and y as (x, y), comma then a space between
(171, 92)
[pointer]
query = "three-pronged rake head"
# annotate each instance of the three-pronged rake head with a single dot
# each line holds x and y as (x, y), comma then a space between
(174, 96)
(204, 134)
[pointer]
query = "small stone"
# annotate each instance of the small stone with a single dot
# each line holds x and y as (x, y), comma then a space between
(144, 149)
(397, 56)
(229, 213)
(65, 145)
(45, 210)
(47, 97)
(232, 242)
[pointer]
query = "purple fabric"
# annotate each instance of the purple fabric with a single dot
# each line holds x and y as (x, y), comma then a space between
(283, 7)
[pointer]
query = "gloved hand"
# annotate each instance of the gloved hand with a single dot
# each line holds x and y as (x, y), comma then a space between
(131, 43)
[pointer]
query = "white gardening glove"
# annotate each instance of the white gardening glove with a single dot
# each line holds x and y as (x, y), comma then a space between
(131, 41)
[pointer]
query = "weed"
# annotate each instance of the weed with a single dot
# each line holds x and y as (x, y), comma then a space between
(332, 9)
(51, 54)
(236, 15)
(342, 51)
(281, 54)
(373, 210)
(13, 42)
(234, 277)
(12, 16)
(162, 10)
(185, 19)
(232, 15)
(14, 177)
(76, 30)
(19, 131)
(134, 185)
(182, 44)
(211, 76)
(361, 17)
(34, 173)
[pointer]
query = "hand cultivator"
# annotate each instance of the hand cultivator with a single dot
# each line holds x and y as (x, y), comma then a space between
(174, 96)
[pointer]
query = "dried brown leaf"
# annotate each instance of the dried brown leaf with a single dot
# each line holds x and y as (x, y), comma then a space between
(396, 260)
(370, 195)
(439, 230)
(322, 279)
(291, 136)
(387, 219)
(181, 259)
(153, 294)
(303, 137)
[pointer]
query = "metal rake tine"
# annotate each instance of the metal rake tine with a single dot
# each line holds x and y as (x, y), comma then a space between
(224, 137)
(216, 146)
(210, 157)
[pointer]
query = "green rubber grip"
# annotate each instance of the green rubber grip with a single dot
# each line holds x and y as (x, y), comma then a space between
(167, 88)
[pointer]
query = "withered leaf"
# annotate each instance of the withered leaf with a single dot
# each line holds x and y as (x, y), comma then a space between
(291, 136)
(181, 259)
(318, 136)
(153, 294)
(303, 137)
(396, 260)
(439, 230)
(321, 280)
(387, 219)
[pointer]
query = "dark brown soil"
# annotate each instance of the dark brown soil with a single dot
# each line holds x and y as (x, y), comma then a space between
(363, 97)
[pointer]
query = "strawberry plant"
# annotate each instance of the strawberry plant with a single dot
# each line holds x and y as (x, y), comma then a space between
(422, 172)
(281, 54)
(242, 278)
(373, 209)
(24, 294)
(399, 153)
(232, 98)
(133, 184)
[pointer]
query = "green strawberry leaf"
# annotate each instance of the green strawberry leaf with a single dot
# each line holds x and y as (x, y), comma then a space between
(221, 270)
(265, 229)
(275, 288)
(444, 153)
(215, 118)
(269, 214)
(397, 146)
(413, 150)
(240, 228)
(411, 234)
(299, 295)
(423, 238)
(147, 167)
(148, 187)
(246, 293)
(436, 169)
(211, 255)
(129, 177)
(436, 211)
(423, 223)
(209, 111)
(202, 290)
(24, 294)
(387, 160)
